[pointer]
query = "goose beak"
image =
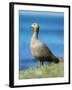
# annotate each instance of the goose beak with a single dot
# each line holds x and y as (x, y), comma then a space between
(32, 25)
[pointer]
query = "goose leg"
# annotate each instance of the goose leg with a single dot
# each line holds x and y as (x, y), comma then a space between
(41, 63)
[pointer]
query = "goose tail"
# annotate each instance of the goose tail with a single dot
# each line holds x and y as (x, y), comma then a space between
(56, 60)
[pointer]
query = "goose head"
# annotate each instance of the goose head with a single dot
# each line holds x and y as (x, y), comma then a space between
(35, 27)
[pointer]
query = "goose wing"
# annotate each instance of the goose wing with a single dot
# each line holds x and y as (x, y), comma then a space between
(44, 51)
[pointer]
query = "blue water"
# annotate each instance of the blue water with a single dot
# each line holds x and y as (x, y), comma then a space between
(51, 33)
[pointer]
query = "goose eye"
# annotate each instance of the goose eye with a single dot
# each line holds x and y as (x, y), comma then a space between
(34, 24)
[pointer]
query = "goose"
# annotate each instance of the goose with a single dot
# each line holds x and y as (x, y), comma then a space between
(39, 50)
